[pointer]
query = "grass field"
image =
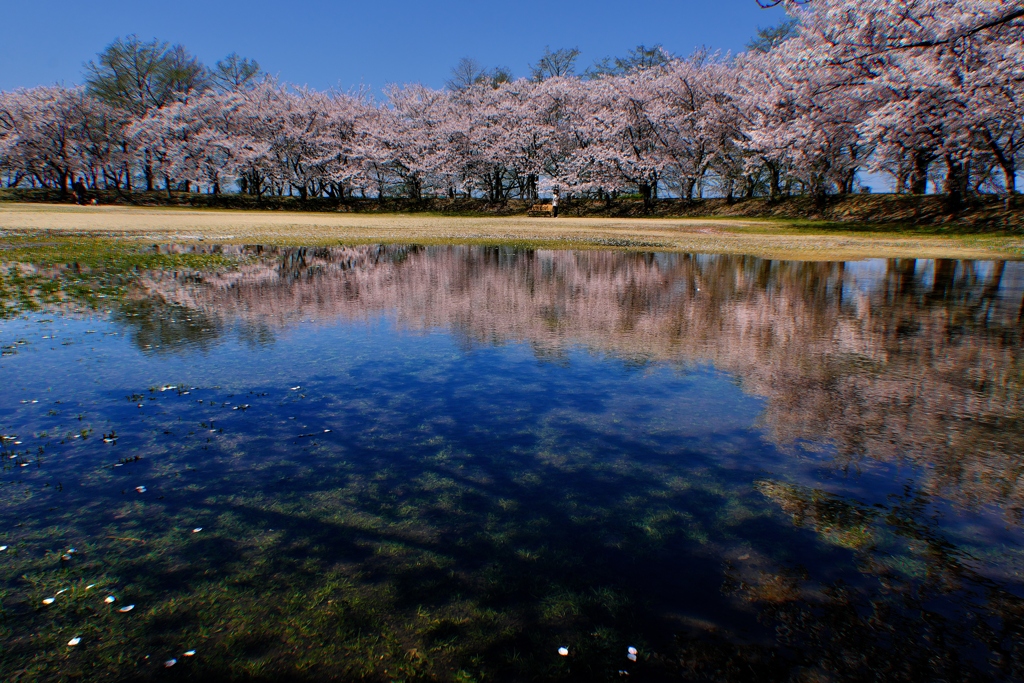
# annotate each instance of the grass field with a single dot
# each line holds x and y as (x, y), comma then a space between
(781, 239)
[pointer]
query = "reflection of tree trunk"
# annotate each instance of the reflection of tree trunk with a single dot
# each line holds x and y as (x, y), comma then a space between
(764, 275)
(840, 279)
(992, 288)
(902, 273)
(945, 271)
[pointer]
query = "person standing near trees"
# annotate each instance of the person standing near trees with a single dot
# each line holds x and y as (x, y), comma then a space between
(554, 203)
(79, 188)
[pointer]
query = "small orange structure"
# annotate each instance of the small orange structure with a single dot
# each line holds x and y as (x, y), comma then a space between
(541, 210)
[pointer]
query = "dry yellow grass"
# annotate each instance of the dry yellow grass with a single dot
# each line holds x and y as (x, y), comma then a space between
(773, 239)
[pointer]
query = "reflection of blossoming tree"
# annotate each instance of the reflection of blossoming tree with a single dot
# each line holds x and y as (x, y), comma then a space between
(920, 363)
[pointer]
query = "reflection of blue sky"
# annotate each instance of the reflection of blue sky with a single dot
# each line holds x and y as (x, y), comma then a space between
(371, 377)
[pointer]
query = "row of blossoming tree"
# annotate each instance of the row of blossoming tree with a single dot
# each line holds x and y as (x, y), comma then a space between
(921, 90)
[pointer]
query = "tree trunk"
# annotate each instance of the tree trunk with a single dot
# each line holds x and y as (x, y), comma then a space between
(901, 182)
(148, 172)
(919, 176)
(774, 176)
(955, 175)
(1008, 166)
(645, 192)
(688, 185)
(1010, 181)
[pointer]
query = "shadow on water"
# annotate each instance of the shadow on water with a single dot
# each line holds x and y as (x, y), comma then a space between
(409, 463)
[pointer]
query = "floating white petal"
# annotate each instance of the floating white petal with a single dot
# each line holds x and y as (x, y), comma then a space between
(109, 599)
(564, 651)
(631, 650)
(90, 586)
(631, 657)
(48, 601)
(197, 529)
(190, 653)
(3, 548)
(170, 662)
(74, 641)
(127, 608)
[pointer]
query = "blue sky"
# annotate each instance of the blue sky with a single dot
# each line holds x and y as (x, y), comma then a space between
(343, 44)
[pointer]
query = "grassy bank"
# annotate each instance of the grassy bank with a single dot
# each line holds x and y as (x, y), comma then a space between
(770, 238)
(880, 211)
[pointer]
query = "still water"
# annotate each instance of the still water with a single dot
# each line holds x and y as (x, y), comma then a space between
(446, 463)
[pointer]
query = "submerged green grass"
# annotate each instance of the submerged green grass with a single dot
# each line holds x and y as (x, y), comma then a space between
(38, 272)
(260, 592)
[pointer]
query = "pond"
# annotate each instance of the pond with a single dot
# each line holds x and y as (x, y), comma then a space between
(494, 464)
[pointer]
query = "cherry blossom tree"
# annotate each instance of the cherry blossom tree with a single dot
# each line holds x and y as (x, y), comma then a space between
(928, 91)
(45, 134)
(936, 72)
